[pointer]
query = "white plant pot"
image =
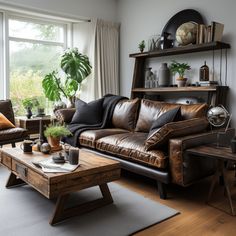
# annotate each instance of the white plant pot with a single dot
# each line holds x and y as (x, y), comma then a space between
(181, 82)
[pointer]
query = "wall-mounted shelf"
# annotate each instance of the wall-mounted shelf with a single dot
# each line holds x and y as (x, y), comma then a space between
(176, 89)
(215, 94)
(182, 50)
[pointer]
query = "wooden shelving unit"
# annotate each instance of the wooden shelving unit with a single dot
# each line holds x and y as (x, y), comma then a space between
(183, 50)
(215, 94)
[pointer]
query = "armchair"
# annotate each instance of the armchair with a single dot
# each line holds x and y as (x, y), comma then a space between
(13, 134)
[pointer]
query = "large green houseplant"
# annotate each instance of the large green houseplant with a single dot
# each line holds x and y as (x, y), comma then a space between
(76, 68)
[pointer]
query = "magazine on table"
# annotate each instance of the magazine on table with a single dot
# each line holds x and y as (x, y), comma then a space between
(49, 166)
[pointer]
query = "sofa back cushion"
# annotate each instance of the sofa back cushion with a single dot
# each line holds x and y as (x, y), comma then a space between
(152, 110)
(161, 136)
(125, 114)
(193, 111)
(6, 110)
(149, 112)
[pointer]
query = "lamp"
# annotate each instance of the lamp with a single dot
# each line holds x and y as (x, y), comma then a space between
(218, 116)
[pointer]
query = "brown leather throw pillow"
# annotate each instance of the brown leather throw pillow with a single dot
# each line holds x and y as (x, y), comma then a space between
(5, 123)
(175, 129)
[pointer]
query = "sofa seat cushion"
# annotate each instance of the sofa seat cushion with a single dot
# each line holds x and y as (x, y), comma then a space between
(130, 146)
(12, 134)
(88, 138)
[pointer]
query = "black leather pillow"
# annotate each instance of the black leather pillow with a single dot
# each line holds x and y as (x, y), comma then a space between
(167, 117)
(88, 113)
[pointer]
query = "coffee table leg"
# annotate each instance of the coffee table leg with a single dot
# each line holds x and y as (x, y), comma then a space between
(13, 181)
(60, 213)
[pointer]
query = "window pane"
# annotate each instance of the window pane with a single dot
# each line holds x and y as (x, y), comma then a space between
(30, 30)
(28, 65)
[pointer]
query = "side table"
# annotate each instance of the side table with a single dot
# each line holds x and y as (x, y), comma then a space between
(33, 125)
(222, 155)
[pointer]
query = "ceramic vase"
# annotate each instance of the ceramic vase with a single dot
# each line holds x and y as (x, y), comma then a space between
(164, 75)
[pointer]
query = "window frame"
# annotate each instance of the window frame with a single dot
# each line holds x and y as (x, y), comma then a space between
(67, 41)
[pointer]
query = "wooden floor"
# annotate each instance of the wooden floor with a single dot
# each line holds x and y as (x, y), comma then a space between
(196, 218)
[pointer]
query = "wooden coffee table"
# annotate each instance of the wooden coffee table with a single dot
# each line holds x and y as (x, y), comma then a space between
(93, 170)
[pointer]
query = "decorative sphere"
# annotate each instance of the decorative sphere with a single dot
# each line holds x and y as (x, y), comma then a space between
(217, 116)
(186, 33)
(45, 148)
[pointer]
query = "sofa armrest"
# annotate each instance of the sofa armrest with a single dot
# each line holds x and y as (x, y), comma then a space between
(184, 169)
(64, 115)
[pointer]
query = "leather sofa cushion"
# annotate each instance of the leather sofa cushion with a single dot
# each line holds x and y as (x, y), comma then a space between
(125, 114)
(149, 112)
(6, 110)
(130, 146)
(193, 111)
(12, 133)
(152, 110)
(175, 129)
(88, 138)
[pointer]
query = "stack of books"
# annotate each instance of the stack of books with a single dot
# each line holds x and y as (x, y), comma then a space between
(209, 33)
(208, 83)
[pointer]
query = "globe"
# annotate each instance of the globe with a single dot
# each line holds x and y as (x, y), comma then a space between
(186, 33)
(217, 116)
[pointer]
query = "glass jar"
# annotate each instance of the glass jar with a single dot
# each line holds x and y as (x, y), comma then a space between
(204, 73)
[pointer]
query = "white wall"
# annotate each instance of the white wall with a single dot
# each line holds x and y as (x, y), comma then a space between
(141, 19)
(105, 9)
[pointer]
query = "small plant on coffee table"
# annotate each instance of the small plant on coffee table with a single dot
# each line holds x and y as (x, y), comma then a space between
(54, 132)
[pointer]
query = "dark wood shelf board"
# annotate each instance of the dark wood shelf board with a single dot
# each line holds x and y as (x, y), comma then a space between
(182, 50)
(176, 89)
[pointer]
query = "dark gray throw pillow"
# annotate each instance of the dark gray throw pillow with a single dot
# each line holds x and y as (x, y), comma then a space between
(88, 113)
(167, 117)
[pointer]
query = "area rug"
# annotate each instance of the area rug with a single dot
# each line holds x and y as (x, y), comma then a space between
(23, 211)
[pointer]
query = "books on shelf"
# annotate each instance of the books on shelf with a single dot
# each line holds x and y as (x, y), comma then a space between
(208, 83)
(209, 33)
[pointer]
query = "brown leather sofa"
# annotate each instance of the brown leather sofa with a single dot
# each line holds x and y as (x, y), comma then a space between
(10, 135)
(126, 141)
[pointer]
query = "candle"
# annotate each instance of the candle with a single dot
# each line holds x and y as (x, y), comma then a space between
(73, 156)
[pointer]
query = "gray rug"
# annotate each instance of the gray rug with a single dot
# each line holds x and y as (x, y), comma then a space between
(25, 212)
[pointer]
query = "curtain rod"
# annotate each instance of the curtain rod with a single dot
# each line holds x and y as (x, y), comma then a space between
(18, 8)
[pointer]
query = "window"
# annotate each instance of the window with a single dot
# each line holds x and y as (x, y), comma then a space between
(35, 47)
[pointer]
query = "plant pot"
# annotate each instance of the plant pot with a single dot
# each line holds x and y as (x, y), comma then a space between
(181, 82)
(28, 113)
(54, 142)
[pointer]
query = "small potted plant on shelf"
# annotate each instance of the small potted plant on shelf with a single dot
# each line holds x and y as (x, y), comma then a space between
(180, 68)
(141, 45)
(54, 133)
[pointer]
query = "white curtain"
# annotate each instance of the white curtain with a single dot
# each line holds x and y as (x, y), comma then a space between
(106, 58)
(84, 40)
(99, 40)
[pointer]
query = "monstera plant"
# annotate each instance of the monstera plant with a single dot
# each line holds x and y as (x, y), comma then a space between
(76, 68)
